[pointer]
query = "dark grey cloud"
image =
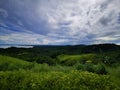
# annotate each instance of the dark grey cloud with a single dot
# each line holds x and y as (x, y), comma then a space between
(104, 5)
(118, 19)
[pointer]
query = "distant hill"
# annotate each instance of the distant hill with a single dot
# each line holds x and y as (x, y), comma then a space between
(95, 48)
(65, 49)
(49, 53)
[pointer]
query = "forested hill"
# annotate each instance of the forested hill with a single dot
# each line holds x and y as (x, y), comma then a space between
(83, 48)
(54, 50)
(100, 48)
(50, 53)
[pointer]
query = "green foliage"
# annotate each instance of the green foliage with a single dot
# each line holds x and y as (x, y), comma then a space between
(71, 60)
(99, 68)
(46, 59)
(114, 72)
(9, 63)
(57, 68)
(105, 53)
(73, 80)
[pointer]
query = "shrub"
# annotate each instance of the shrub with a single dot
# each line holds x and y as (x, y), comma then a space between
(46, 59)
(99, 68)
(80, 67)
(71, 60)
(73, 80)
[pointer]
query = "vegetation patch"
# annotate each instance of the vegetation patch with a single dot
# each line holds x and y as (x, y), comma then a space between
(73, 80)
(71, 60)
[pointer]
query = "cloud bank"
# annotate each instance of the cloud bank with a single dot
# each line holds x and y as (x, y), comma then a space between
(60, 22)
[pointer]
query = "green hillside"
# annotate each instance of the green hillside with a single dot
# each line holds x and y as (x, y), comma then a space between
(74, 59)
(16, 74)
(9, 63)
(92, 67)
(107, 53)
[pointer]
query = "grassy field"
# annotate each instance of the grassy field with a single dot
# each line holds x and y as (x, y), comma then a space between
(9, 64)
(16, 74)
(71, 60)
(77, 57)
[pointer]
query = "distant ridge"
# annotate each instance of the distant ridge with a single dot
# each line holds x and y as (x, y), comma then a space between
(57, 45)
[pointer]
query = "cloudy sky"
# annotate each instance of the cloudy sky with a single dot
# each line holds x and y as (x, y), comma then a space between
(59, 22)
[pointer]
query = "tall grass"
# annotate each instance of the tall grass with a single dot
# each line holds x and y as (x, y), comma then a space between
(114, 72)
(16, 74)
(72, 80)
(11, 64)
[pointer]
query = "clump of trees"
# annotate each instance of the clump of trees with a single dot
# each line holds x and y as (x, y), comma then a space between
(99, 68)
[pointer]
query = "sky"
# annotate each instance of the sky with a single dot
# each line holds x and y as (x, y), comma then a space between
(59, 22)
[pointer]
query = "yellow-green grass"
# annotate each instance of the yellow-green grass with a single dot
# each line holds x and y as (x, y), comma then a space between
(76, 57)
(73, 80)
(4, 59)
(33, 76)
(114, 72)
(73, 59)
(9, 63)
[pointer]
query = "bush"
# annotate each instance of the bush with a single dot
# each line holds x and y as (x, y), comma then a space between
(73, 80)
(99, 68)
(70, 60)
(46, 59)
(80, 66)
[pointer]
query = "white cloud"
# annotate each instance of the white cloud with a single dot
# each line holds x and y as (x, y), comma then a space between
(107, 38)
(83, 17)
(63, 21)
(19, 38)
(30, 38)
